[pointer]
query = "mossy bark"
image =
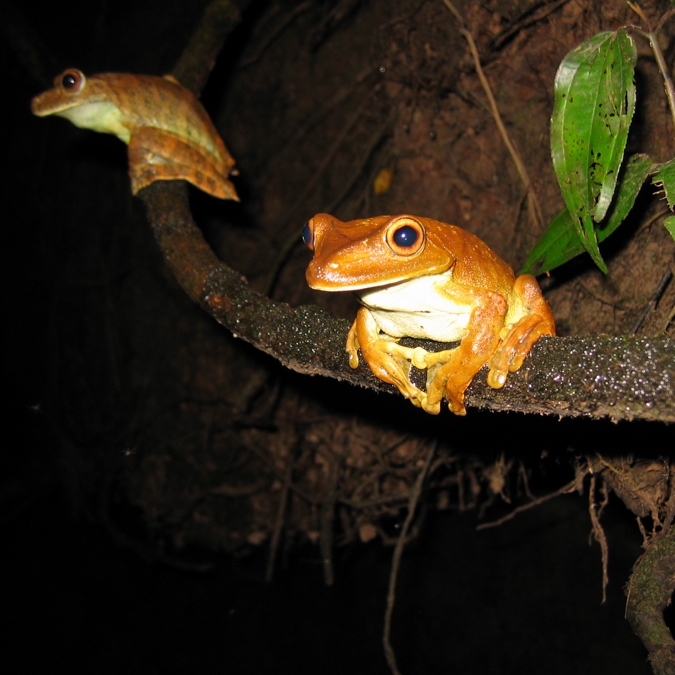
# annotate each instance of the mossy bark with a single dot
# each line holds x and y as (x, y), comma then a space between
(649, 593)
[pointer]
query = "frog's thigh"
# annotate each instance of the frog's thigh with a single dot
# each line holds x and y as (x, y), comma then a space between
(526, 291)
(517, 339)
(454, 376)
(384, 365)
(155, 154)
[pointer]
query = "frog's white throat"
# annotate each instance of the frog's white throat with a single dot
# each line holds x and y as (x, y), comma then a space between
(102, 116)
(418, 308)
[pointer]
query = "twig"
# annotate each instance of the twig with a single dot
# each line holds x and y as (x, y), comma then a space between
(669, 511)
(415, 493)
(652, 36)
(653, 219)
(665, 279)
(532, 202)
(527, 18)
(196, 62)
(270, 465)
(565, 489)
(276, 32)
(327, 519)
(599, 535)
(279, 523)
(645, 542)
(404, 18)
(666, 323)
(331, 21)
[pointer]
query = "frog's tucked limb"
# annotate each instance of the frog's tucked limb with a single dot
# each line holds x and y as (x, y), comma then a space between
(156, 154)
(517, 338)
(424, 279)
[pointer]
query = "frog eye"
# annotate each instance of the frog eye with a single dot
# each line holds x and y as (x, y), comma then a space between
(308, 235)
(405, 236)
(72, 80)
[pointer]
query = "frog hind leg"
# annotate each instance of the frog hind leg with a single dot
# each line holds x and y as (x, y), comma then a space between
(388, 361)
(519, 337)
(156, 154)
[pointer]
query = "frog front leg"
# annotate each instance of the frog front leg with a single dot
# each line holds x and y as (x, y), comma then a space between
(535, 319)
(451, 372)
(387, 360)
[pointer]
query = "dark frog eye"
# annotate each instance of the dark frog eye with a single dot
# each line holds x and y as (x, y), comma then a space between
(307, 235)
(72, 80)
(405, 236)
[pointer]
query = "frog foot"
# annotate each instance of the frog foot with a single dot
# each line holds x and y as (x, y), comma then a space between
(517, 341)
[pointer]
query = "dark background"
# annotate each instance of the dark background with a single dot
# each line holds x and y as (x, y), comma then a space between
(108, 369)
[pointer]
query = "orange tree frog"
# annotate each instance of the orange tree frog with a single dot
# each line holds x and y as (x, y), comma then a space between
(170, 135)
(420, 278)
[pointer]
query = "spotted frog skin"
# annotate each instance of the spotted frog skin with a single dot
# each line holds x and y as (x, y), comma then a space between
(169, 134)
(420, 278)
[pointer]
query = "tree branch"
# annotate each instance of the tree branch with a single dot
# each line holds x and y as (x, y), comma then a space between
(198, 58)
(600, 376)
(649, 592)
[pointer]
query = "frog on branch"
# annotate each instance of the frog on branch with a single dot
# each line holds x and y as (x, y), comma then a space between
(419, 278)
(170, 135)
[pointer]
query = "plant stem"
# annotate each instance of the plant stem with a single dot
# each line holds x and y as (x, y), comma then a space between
(668, 82)
(415, 493)
(652, 36)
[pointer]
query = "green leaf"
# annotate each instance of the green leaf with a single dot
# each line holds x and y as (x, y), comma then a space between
(665, 177)
(593, 109)
(669, 224)
(560, 241)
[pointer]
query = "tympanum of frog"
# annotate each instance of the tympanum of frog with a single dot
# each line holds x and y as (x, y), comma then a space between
(170, 135)
(420, 278)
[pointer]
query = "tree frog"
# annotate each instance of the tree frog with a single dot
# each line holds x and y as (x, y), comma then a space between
(170, 135)
(421, 278)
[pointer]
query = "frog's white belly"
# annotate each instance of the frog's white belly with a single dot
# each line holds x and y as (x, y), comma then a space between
(419, 309)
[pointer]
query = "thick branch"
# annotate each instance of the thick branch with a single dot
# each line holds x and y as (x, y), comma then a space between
(622, 378)
(618, 377)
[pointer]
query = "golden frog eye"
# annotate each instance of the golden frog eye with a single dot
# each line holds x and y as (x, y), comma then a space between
(406, 236)
(72, 80)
